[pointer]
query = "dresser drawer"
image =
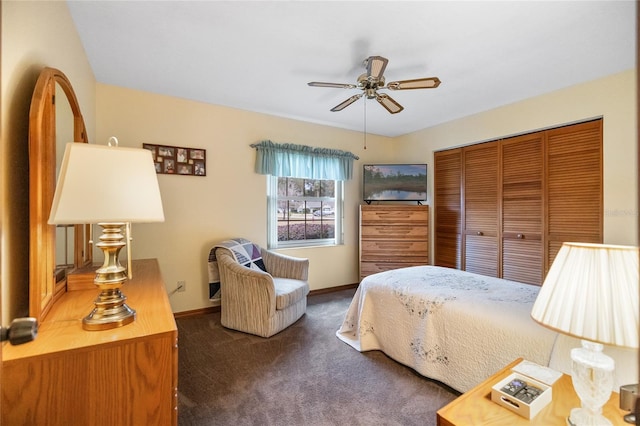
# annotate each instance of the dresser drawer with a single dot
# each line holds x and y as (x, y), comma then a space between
(370, 268)
(393, 249)
(393, 215)
(406, 232)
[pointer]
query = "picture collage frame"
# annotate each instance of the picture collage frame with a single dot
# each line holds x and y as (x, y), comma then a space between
(175, 160)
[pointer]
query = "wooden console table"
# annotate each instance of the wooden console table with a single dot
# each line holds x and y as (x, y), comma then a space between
(123, 376)
(474, 408)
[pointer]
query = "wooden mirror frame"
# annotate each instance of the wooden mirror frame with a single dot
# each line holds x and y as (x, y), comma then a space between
(46, 283)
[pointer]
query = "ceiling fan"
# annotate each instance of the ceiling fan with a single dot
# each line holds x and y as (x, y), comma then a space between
(373, 80)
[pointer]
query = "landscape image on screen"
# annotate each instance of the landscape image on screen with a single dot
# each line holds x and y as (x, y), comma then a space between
(385, 182)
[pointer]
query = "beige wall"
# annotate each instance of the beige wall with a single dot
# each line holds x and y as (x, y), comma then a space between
(231, 200)
(613, 98)
(34, 35)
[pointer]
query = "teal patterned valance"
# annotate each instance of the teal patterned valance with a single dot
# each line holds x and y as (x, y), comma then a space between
(290, 160)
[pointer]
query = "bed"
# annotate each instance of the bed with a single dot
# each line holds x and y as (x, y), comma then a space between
(459, 328)
(449, 325)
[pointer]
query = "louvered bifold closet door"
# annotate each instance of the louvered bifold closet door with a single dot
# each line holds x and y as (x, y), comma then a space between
(574, 186)
(522, 210)
(480, 177)
(448, 205)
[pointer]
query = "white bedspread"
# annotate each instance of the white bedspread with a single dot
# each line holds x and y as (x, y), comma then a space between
(452, 326)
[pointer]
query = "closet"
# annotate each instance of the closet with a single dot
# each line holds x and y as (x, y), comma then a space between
(504, 208)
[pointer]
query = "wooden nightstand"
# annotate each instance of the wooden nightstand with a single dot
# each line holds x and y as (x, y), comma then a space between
(476, 408)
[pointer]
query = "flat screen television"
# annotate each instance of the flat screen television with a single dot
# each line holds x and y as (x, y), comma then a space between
(394, 182)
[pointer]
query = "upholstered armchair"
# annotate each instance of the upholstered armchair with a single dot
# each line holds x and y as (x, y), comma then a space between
(262, 302)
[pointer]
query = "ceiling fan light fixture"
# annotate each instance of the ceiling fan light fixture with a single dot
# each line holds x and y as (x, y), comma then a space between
(389, 103)
(371, 93)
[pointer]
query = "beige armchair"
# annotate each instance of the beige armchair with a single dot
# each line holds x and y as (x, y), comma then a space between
(258, 302)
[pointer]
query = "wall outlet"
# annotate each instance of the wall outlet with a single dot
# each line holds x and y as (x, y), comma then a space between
(182, 286)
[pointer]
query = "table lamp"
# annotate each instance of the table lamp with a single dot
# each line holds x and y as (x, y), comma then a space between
(110, 186)
(591, 292)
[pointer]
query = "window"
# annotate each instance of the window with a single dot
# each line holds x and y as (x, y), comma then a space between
(304, 212)
(304, 195)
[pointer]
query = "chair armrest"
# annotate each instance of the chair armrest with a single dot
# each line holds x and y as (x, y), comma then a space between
(245, 289)
(283, 266)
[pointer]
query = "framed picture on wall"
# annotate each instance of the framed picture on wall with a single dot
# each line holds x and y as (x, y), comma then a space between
(175, 160)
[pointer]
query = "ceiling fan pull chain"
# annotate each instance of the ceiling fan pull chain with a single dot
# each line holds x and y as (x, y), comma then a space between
(365, 124)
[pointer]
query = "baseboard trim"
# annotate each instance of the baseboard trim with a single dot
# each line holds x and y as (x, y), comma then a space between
(212, 309)
(196, 312)
(332, 289)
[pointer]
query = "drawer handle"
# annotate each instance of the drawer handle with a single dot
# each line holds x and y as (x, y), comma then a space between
(479, 233)
(520, 236)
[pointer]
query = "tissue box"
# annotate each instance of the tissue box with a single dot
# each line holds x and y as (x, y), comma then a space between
(521, 394)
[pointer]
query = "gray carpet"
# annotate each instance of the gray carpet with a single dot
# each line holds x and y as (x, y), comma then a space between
(302, 376)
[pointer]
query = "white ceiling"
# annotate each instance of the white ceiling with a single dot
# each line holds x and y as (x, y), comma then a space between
(259, 55)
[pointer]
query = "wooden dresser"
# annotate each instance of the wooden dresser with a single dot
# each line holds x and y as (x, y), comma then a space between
(393, 236)
(123, 376)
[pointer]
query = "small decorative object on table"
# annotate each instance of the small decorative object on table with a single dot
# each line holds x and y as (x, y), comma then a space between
(628, 401)
(527, 390)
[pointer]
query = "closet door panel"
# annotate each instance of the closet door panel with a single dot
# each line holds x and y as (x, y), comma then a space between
(522, 209)
(481, 255)
(481, 188)
(522, 260)
(522, 215)
(480, 180)
(574, 186)
(449, 251)
(448, 208)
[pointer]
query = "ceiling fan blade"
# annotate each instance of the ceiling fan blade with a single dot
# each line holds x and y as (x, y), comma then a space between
(346, 103)
(376, 66)
(389, 103)
(419, 83)
(336, 85)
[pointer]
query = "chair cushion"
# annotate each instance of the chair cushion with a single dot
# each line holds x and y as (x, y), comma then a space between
(289, 291)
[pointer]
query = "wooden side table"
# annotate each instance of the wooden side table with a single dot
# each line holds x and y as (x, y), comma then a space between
(475, 407)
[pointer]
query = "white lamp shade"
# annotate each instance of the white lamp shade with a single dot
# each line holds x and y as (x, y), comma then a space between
(591, 292)
(101, 184)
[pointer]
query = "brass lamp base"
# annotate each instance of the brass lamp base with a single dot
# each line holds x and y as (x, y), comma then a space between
(110, 310)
